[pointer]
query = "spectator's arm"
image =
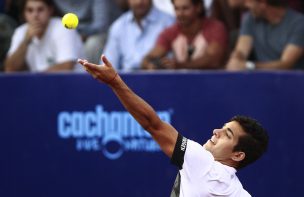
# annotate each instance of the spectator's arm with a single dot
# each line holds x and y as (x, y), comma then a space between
(16, 61)
(154, 56)
(240, 54)
(212, 58)
(290, 56)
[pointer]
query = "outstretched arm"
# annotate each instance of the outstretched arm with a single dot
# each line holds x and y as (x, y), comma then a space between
(163, 133)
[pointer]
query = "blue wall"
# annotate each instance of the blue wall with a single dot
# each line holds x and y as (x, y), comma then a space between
(67, 135)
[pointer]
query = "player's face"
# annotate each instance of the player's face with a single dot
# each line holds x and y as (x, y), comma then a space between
(186, 12)
(223, 140)
(37, 12)
(140, 8)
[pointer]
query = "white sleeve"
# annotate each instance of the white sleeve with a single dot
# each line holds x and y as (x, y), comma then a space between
(17, 38)
(197, 160)
(191, 157)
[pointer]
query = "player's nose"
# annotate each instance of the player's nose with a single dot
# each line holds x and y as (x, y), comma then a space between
(216, 132)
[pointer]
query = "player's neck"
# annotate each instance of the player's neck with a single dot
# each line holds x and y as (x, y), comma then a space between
(229, 163)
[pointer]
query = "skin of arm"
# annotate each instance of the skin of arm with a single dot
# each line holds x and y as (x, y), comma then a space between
(290, 56)
(16, 61)
(157, 52)
(213, 58)
(163, 133)
(240, 54)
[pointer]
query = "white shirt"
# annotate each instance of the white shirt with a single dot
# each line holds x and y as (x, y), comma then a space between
(128, 43)
(202, 176)
(58, 45)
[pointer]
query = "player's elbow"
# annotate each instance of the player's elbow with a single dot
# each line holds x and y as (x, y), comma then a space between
(153, 126)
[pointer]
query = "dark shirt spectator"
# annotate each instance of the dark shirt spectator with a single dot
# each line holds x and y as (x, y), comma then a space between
(196, 41)
(276, 35)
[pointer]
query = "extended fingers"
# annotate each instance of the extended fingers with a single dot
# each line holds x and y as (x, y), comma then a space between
(106, 61)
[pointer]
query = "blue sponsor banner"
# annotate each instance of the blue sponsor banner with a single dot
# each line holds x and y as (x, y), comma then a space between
(68, 135)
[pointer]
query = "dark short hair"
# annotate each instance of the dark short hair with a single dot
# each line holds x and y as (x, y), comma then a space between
(276, 3)
(49, 3)
(197, 3)
(254, 143)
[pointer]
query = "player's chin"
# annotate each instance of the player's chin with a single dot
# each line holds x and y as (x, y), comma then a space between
(207, 145)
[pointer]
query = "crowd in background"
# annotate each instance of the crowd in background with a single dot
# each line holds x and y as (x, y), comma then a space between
(152, 34)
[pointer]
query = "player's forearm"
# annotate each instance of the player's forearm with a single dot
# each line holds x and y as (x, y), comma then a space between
(16, 61)
(138, 108)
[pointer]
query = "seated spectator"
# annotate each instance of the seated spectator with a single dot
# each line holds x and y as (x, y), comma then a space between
(197, 42)
(133, 35)
(274, 32)
(228, 12)
(42, 43)
(95, 17)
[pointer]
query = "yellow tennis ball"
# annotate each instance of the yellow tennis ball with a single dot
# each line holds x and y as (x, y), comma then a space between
(70, 21)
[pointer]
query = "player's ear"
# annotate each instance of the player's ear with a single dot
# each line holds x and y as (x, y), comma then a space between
(238, 156)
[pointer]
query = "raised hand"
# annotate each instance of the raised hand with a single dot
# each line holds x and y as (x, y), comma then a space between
(104, 73)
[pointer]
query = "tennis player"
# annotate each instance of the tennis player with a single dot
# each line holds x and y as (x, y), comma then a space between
(204, 170)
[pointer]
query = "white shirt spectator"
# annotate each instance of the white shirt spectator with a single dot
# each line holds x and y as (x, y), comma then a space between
(58, 45)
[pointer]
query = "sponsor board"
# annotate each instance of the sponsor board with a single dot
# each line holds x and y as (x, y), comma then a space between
(113, 132)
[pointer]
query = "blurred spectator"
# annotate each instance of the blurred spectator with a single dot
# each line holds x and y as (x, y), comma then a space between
(133, 35)
(167, 6)
(274, 32)
(42, 43)
(230, 15)
(95, 17)
(7, 27)
(197, 42)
